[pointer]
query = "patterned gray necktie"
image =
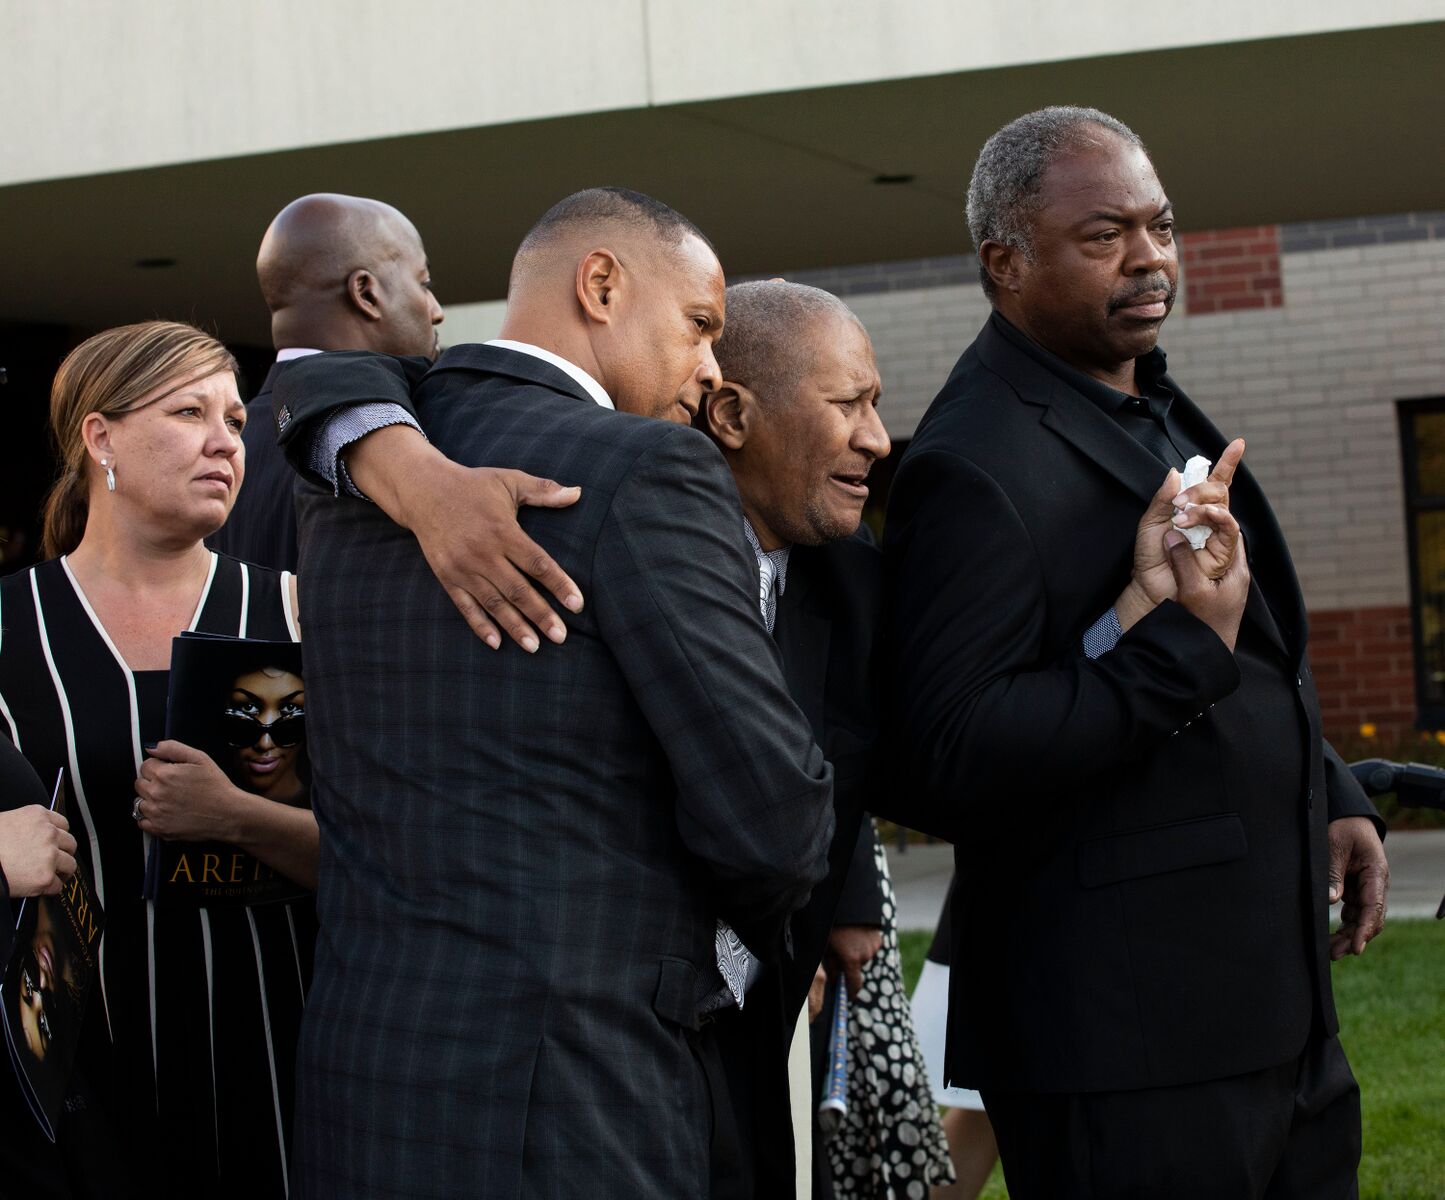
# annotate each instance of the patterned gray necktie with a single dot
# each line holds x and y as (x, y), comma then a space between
(768, 589)
(735, 962)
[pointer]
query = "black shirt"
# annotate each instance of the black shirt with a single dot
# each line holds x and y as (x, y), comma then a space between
(1148, 418)
(1144, 417)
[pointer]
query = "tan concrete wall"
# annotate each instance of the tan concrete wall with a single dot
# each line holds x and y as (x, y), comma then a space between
(90, 86)
(781, 45)
(99, 85)
(473, 322)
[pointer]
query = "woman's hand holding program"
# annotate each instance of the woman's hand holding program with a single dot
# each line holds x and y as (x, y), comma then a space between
(37, 852)
(182, 795)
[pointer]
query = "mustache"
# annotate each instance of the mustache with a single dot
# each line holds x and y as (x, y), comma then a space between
(1154, 283)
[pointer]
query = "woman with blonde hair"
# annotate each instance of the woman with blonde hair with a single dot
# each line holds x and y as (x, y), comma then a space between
(183, 1080)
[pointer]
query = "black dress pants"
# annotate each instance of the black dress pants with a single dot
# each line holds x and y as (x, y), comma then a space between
(732, 1165)
(84, 1163)
(1290, 1132)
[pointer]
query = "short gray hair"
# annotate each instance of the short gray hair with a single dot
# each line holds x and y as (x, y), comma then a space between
(1004, 191)
(761, 347)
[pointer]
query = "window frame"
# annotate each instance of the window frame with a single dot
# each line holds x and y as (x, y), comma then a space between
(1430, 714)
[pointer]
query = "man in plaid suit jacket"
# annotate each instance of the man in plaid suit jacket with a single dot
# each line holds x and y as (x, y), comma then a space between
(524, 857)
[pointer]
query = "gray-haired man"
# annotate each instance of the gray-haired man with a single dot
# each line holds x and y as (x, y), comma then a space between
(1125, 749)
(796, 417)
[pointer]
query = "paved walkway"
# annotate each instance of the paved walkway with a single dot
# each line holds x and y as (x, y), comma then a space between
(920, 882)
(1417, 877)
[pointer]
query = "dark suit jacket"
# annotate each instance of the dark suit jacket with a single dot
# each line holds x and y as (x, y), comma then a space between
(1141, 895)
(825, 628)
(262, 525)
(524, 857)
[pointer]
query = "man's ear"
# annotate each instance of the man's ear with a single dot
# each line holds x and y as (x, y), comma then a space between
(1003, 263)
(598, 284)
(732, 415)
(363, 290)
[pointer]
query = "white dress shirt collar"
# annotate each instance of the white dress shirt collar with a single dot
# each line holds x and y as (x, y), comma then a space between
(589, 385)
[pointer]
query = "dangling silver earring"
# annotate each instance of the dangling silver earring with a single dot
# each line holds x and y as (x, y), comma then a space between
(109, 476)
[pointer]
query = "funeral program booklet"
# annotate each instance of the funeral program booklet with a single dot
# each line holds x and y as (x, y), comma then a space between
(242, 701)
(57, 942)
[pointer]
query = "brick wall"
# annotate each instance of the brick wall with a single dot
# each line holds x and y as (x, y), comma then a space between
(1364, 668)
(1312, 387)
(1224, 270)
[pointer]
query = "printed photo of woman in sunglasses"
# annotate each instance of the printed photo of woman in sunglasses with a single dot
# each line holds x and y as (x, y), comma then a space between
(264, 727)
(235, 745)
(49, 996)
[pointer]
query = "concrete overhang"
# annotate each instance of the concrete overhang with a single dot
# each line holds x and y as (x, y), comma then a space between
(1329, 125)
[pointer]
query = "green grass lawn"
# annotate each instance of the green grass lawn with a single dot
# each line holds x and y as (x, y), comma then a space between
(1392, 1017)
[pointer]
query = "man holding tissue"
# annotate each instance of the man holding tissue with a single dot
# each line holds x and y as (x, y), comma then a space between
(1119, 733)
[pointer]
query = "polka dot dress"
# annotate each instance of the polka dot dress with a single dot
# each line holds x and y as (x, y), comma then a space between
(891, 1146)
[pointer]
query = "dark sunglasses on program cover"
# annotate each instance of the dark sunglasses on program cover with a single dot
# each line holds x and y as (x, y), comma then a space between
(242, 732)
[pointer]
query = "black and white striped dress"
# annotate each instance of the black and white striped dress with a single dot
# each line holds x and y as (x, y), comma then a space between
(188, 1046)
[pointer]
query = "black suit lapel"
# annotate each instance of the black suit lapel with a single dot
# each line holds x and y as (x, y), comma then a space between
(498, 360)
(802, 632)
(263, 393)
(1072, 416)
(265, 408)
(1080, 423)
(1276, 603)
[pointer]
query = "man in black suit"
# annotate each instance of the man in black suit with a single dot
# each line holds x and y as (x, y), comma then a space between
(1149, 824)
(337, 273)
(348, 273)
(525, 858)
(796, 419)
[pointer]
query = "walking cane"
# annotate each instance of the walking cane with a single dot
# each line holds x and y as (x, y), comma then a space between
(833, 1110)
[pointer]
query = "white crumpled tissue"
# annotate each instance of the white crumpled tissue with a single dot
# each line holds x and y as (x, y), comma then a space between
(1196, 470)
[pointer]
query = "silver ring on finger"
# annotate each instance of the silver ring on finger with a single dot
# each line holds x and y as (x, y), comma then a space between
(135, 811)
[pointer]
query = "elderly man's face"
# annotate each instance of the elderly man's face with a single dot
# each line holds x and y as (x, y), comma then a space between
(1105, 266)
(802, 471)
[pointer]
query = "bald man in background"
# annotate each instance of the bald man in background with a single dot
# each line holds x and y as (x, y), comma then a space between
(338, 273)
(348, 273)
